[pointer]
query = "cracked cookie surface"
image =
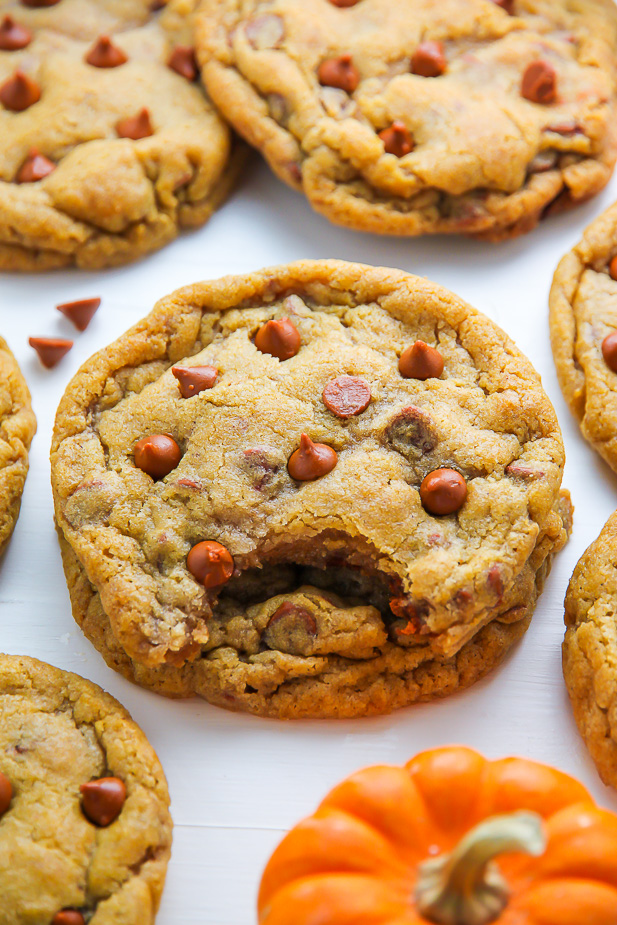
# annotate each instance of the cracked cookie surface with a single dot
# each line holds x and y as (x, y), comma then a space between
(417, 117)
(112, 158)
(583, 322)
(17, 427)
(590, 649)
(339, 578)
(58, 732)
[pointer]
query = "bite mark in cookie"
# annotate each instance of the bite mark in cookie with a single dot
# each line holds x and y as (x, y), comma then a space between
(190, 569)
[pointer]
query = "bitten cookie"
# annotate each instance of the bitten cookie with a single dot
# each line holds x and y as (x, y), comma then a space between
(108, 145)
(590, 649)
(411, 117)
(85, 830)
(17, 428)
(320, 490)
(583, 320)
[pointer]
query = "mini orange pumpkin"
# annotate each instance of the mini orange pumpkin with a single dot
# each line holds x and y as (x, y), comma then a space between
(416, 846)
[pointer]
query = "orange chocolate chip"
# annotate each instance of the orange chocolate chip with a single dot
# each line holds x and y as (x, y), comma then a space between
(539, 83)
(39, 3)
(19, 92)
(421, 362)
(346, 396)
(102, 800)
(135, 127)
(6, 793)
(194, 379)
(429, 60)
(339, 72)
(182, 61)
(210, 563)
(157, 5)
(443, 491)
(397, 139)
(68, 917)
(36, 167)
(506, 5)
(105, 54)
(279, 337)
(609, 351)
(612, 268)
(80, 312)
(13, 36)
(157, 455)
(50, 349)
(311, 461)
(344, 3)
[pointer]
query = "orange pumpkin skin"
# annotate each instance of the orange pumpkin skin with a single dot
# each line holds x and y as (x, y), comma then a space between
(355, 861)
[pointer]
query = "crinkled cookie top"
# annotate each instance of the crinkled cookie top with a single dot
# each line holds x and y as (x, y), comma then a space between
(436, 485)
(107, 142)
(416, 116)
(59, 848)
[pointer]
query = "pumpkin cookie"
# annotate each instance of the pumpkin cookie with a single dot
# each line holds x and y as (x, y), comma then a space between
(411, 117)
(323, 489)
(590, 649)
(583, 318)
(17, 427)
(108, 145)
(85, 830)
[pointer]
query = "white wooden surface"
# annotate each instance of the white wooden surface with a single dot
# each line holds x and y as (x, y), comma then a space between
(238, 782)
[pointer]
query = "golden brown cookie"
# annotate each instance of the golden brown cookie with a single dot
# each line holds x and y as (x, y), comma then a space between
(590, 649)
(247, 524)
(583, 320)
(108, 145)
(17, 428)
(414, 117)
(85, 830)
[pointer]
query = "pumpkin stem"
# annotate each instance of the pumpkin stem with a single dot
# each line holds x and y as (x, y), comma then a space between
(466, 887)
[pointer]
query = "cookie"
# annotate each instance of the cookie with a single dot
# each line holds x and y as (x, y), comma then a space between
(323, 489)
(108, 145)
(17, 428)
(85, 830)
(414, 118)
(590, 650)
(583, 321)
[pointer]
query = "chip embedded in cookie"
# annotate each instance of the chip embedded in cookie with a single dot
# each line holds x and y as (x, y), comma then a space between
(590, 650)
(17, 428)
(85, 829)
(316, 532)
(108, 144)
(412, 117)
(583, 323)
